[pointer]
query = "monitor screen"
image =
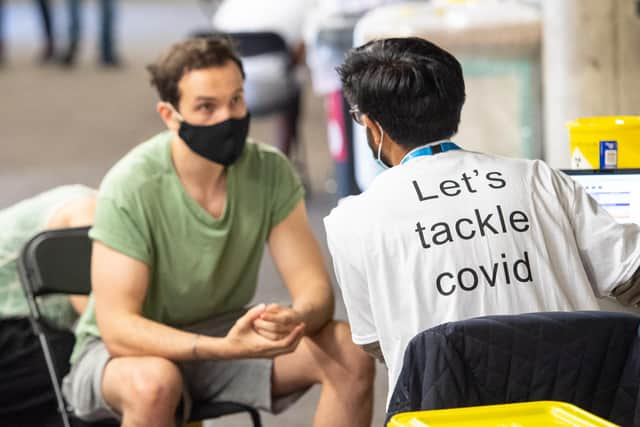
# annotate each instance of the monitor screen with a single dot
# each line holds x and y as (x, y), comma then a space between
(616, 190)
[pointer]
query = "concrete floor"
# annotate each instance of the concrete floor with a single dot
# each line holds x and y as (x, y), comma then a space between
(60, 126)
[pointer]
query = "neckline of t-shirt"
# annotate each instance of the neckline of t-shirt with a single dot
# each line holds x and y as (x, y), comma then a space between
(194, 207)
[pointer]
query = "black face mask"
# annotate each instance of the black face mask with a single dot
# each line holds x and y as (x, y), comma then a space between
(221, 143)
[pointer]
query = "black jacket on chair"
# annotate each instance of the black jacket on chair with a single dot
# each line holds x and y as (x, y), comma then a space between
(590, 359)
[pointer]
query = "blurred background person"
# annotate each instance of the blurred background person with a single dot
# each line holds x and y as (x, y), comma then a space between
(47, 26)
(26, 395)
(108, 56)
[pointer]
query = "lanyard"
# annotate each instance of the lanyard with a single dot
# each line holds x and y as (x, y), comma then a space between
(430, 150)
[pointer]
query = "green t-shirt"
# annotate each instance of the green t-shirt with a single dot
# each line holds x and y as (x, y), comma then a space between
(18, 223)
(199, 266)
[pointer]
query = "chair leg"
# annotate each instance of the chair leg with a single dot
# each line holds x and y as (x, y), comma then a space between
(255, 417)
(44, 343)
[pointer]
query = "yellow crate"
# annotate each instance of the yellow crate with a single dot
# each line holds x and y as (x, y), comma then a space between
(528, 414)
(586, 133)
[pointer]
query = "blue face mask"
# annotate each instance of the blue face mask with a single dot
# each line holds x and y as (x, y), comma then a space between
(220, 143)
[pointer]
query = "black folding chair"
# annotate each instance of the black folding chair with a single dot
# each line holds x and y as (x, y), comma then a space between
(59, 262)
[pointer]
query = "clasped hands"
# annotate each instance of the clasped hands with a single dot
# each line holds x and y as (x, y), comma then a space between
(267, 330)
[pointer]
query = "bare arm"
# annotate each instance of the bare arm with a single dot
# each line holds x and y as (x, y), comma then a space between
(297, 256)
(120, 284)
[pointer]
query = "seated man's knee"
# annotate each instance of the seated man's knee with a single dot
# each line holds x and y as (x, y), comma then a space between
(154, 383)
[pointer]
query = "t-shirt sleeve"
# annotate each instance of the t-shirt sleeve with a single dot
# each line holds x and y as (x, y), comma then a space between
(120, 224)
(287, 189)
(610, 251)
(353, 285)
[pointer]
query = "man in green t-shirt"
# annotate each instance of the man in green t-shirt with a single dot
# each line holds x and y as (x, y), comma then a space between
(180, 229)
(26, 394)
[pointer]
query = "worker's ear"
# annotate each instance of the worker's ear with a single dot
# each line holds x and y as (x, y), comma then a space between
(374, 127)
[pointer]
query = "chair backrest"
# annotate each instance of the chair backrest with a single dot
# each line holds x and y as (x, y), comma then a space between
(584, 358)
(57, 261)
(258, 43)
(251, 43)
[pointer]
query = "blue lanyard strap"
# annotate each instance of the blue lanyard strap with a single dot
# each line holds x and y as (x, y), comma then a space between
(430, 150)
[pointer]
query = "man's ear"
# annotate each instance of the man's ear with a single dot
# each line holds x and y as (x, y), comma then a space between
(373, 127)
(168, 115)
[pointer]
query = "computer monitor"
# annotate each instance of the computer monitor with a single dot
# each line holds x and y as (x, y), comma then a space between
(616, 190)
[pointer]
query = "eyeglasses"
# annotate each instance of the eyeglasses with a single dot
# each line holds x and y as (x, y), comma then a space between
(356, 115)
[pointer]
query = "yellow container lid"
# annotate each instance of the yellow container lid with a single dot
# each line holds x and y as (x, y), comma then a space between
(604, 123)
(527, 414)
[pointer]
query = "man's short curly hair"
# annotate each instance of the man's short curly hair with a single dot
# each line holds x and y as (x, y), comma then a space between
(192, 54)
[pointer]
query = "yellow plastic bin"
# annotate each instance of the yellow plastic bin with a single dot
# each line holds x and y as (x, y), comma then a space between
(605, 142)
(528, 414)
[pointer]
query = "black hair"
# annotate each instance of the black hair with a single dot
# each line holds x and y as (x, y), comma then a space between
(192, 54)
(412, 87)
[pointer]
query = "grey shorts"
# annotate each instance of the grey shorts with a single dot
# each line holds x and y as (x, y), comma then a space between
(246, 381)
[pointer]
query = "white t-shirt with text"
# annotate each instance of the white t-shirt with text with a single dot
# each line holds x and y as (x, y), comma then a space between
(460, 234)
